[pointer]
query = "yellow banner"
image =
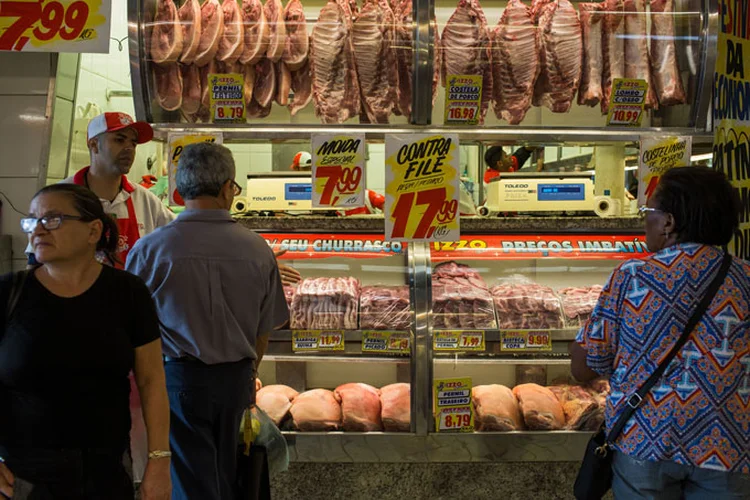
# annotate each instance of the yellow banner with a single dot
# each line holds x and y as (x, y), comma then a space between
(452, 405)
(338, 170)
(421, 191)
(382, 342)
(177, 143)
(627, 101)
(731, 110)
(659, 154)
(226, 97)
(463, 96)
(317, 340)
(55, 25)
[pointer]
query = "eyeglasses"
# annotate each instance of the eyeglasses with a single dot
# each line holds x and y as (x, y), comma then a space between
(236, 188)
(49, 222)
(644, 210)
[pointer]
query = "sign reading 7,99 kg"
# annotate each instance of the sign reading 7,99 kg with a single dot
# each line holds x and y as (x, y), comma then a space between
(421, 192)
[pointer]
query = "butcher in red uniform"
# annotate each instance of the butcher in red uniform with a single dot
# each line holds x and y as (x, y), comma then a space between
(498, 161)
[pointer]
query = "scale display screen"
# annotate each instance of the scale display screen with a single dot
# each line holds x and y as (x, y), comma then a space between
(297, 192)
(561, 192)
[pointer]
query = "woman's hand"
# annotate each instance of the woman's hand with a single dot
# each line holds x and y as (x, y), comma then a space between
(6, 481)
(157, 482)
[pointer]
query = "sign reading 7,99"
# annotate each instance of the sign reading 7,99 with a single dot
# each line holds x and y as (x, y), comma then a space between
(338, 170)
(421, 192)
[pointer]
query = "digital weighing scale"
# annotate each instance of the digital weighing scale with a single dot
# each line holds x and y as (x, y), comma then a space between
(539, 192)
(280, 192)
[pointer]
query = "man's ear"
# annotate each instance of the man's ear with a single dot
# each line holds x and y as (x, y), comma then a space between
(93, 144)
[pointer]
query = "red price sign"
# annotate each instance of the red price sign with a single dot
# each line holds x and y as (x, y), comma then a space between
(626, 115)
(456, 421)
(462, 113)
(539, 340)
(472, 341)
(436, 214)
(330, 340)
(229, 112)
(340, 182)
(53, 24)
(627, 102)
(338, 170)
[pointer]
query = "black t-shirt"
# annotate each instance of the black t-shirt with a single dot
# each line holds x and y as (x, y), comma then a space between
(64, 362)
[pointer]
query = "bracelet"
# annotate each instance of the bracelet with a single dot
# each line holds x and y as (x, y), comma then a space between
(159, 454)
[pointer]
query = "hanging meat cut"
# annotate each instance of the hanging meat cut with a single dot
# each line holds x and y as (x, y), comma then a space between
(465, 45)
(613, 48)
(274, 12)
(395, 401)
(231, 43)
(212, 29)
(460, 298)
(664, 68)
(515, 62)
(404, 55)
(211, 67)
(276, 401)
(360, 407)
(384, 307)
(166, 33)
(191, 88)
(301, 88)
(316, 410)
(372, 39)
(264, 90)
(256, 32)
(334, 77)
(592, 20)
(248, 75)
(540, 408)
(536, 9)
(561, 54)
(578, 303)
(297, 44)
(190, 19)
(326, 303)
(283, 83)
(496, 408)
(168, 85)
(526, 305)
(637, 64)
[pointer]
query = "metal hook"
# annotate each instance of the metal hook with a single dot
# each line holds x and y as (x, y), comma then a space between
(119, 42)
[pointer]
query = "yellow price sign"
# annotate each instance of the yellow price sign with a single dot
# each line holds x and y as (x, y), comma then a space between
(177, 143)
(458, 340)
(524, 341)
(317, 340)
(452, 405)
(338, 163)
(463, 98)
(226, 96)
(382, 342)
(627, 102)
(55, 25)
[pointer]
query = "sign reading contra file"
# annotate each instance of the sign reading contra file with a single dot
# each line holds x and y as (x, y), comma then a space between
(731, 110)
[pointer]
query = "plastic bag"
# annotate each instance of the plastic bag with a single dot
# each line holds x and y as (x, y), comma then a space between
(460, 298)
(325, 303)
(523, 304)
(384, 308)
(578, 303)
(260, 430)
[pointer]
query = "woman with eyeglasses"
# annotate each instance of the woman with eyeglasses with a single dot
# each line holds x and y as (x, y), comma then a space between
(689, 435)
(66, 349)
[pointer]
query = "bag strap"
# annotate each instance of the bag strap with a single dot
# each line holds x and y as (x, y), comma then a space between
(19, 279)
(637, 398)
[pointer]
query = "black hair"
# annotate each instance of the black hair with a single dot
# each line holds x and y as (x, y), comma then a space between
(88, 205)
(705, 206)
(493, 155)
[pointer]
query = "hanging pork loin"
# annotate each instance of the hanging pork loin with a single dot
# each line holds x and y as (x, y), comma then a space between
(212, 29)
(297, 43)
(191, 88)
(231, 43)
(166, 33)
(190, 19)
(256, 32)
(283, 83)
(302, 88)
(274, 12)
(264, 90)
(168, 85)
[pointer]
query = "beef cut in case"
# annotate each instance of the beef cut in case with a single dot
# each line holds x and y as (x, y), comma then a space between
(276, 401)
(496, 408)
(540, 407)
(395, 402)
(360, 407)
(526, 305)
(460, 298)
(384, 308)
(326, 303)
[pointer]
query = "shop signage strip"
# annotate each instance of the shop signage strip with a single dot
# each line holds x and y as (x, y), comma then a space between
(338, 170)
(314, 245)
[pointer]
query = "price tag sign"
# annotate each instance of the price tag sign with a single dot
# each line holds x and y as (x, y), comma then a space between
(659, 154)
(55, 25)
(317, 340)
(226, 97)
(177, 143)
(463, 96)
(421, 191)
(458, 340)
(627, 102)
(452, 405)
(381, 342)
(338, 163)
(525, 341)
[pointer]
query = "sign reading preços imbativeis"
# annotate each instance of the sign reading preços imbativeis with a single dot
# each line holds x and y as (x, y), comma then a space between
(421, 187)
(731, 109)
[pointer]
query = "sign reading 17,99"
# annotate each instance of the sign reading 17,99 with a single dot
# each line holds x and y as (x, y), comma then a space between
(421, 191)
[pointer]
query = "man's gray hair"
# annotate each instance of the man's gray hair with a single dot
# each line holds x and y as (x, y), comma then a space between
(202, 170)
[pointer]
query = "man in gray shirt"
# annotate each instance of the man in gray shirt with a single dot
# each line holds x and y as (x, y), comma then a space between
(218, 294)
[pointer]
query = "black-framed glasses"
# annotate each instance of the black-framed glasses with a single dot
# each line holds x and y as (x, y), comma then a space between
(48, 222)
(236, 188)
(644, 210)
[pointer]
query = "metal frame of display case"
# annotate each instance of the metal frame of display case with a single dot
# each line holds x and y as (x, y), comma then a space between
(423, 445)
(701, 55)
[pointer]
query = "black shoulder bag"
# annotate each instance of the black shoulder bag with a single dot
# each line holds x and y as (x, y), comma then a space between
(595, 475)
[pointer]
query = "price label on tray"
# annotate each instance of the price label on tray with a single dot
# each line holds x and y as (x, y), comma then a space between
(338, 163)
(454, 411)
(458, 340)
(55, 25)
(626, 102)
(317, 340)
(463, 97)
(525, 341)
(380, 342)
(227, 98)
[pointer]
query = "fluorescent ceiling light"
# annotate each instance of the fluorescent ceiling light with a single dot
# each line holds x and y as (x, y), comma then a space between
(706, 156)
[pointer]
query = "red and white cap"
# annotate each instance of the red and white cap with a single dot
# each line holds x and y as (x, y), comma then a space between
(112, 122)
(303, 159)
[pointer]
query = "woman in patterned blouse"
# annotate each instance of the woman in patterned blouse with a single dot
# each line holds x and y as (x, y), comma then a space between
(690, 437)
